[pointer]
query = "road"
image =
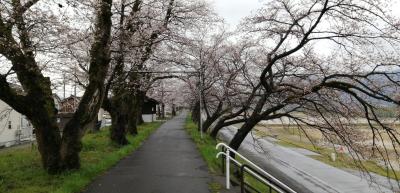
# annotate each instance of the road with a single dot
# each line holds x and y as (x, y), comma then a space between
(302, 173)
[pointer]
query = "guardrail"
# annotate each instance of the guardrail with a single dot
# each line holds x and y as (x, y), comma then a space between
(249, 168)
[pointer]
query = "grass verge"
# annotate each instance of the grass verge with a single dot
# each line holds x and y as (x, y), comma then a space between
(21, 171)
(206, 146)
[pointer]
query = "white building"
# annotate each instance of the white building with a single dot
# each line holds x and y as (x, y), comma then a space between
(14, 127)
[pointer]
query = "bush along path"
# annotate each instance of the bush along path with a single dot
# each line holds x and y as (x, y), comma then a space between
(21, 171)
(168, 162)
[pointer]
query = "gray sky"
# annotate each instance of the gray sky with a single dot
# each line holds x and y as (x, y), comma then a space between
(234, 10)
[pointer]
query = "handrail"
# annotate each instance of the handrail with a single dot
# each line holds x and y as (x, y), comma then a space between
(258, 175)
(280, 186)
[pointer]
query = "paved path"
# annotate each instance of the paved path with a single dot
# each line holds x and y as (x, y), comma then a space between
(302, 173)
(168, 162)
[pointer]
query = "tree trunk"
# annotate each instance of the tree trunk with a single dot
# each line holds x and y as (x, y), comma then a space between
(162, 110)
(48, 139)
(196, 112)
(71, 144)
(132, 115)
(224, 123)
(97, 122)
(173, 110)
(95, 125)
(119, 127)
(218, 126)
(92, 98)
(139, 106)
(242, 133)
(209, 121)
(43, 115)
(37, 103)
(119, 112)
(159, 111)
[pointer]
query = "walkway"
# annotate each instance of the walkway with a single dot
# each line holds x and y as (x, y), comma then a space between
(168, 162)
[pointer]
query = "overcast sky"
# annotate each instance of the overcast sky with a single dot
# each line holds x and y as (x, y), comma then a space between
(233, 10)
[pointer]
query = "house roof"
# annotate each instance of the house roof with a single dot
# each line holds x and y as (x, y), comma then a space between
(150, 100)
(71, 97)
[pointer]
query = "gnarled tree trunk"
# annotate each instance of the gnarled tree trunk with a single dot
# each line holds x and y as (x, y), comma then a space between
(94, 93)
(196, 112)
(217, 128)
(44, 120)
(215, 115)
(223, 123)
(118, 110)
(242, 133)
(132, 115)
(36, 100)
(119, 125)
(140, 95)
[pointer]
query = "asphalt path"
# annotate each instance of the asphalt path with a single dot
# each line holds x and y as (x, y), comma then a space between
(167, 162)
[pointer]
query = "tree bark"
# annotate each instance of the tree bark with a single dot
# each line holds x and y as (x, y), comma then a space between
(242, 133)
(196, 112)
(119, 112)
(215, 115)
(173, 110)
(119, 126)
(163, 110)
(132, 115)
(209, 121)
(37, 103)
(47, 132)
(92, 98)
(221, 124)
(139, 106)
(159, 111)
(218, 126)
(41, 111)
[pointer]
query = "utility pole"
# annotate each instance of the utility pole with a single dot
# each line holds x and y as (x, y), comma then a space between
(76, 80)
(201, 99)
(64, 84)
(162, 101)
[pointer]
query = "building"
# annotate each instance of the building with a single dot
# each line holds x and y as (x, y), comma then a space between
(149, 109)
(14, 127)
(69, 105)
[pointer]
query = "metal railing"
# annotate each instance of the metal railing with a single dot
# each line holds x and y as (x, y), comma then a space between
(250, 168)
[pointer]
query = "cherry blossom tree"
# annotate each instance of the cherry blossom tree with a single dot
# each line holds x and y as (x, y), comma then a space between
(21, 38)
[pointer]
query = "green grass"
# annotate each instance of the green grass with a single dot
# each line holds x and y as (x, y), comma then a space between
(21, 171)
(206, 146)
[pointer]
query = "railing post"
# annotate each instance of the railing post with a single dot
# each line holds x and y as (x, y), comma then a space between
(255, 171)
(223, 161)
(242, 178)
(227, 164)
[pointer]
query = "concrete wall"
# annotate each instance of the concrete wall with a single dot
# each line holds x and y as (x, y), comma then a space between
(148, 118)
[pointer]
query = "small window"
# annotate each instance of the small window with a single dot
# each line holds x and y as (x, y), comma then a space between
(9, 125)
